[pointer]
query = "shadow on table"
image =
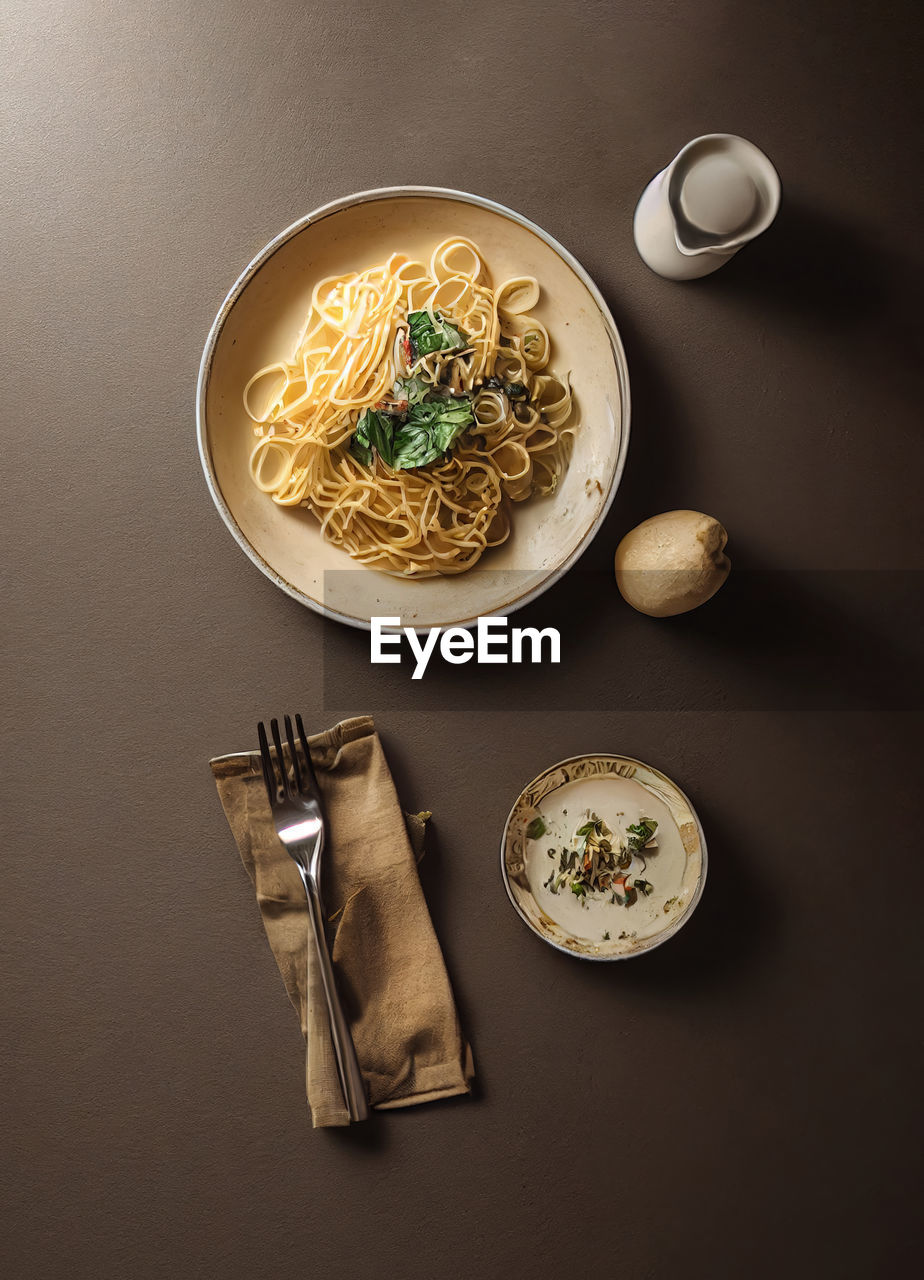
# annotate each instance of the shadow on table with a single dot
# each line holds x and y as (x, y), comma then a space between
(661, 453)
(371, 1135)
(771, 639)
(812, 261)
(834, 279)
(814, 639)
(731, 935)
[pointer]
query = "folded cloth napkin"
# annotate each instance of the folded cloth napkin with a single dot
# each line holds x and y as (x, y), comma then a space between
(390, 971)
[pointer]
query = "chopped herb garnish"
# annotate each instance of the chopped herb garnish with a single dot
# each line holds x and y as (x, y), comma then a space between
(430, 430)
(374, 431)
(638, 834)
(415, 436)
(536, 828)
(431, 333)
(515, 390)
(606, 936)
(597, 863)
(413, 390)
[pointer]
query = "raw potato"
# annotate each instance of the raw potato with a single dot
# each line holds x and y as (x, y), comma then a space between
(672, 563)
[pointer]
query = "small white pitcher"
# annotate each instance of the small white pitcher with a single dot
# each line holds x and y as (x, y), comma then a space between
(718, 193)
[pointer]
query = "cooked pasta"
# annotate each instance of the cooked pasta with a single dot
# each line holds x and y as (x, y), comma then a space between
(417, 406)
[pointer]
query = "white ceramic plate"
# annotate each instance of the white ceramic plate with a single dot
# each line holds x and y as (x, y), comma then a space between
(262, 318)
(620, 790)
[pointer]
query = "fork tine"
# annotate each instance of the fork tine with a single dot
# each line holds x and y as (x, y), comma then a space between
(281, 760)
(269, 774)
(290, 739)
(312, 776)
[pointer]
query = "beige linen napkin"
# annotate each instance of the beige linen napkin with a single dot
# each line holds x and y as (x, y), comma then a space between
(390, 971)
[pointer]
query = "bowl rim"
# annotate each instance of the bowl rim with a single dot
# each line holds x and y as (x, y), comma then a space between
(316, 215)
(659, 938)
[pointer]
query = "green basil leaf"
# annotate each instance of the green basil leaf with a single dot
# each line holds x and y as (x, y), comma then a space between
(373, 431)
(429, 334)
(413, 390)
(360, 447)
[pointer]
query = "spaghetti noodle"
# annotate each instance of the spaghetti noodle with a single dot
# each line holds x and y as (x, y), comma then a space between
(417, 406)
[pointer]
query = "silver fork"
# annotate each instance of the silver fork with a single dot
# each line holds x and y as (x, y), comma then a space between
(298, 817)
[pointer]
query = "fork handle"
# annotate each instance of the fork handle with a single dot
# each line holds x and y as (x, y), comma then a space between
(351, 1080)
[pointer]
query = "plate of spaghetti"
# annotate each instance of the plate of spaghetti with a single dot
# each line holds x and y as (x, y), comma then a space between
(413, 403)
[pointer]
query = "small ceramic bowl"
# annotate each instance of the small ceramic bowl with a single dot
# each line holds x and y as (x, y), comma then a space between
(621, 791)
(262, 318)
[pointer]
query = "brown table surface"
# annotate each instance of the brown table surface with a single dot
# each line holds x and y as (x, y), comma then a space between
(743, 1102)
